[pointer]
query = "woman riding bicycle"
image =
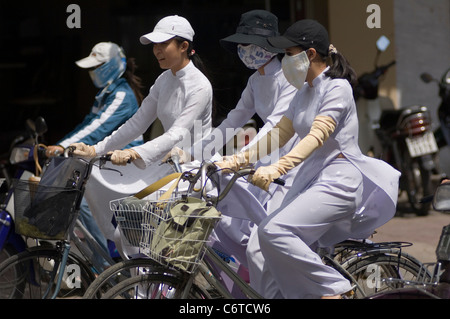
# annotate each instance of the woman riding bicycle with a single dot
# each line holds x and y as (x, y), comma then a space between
(337, 193)
(180, 98)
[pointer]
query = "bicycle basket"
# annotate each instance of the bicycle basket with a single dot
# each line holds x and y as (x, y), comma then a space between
(178, 236)
(129, 214)
(44, 212)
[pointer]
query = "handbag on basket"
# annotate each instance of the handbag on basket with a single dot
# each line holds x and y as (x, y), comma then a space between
(179, 238)
(47, 209)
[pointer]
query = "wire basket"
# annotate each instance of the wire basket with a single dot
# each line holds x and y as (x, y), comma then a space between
(44, 212)
(129, 215)
(175, 241)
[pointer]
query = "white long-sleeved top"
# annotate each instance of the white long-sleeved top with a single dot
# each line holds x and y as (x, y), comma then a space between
(267, 95)
(183, 104)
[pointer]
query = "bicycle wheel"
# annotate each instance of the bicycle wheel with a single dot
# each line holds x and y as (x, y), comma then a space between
(154, 286)
(373, 273)
(117, 273)
(28, 275)
(7, 252)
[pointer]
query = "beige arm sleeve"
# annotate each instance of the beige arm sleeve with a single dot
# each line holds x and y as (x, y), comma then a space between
(276, 138)
(321, 129)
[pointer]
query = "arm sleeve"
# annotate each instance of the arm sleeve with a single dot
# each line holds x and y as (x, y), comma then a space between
(95, 127)
(236, 118)
(131, 129)
(197, 104)
(321, 129)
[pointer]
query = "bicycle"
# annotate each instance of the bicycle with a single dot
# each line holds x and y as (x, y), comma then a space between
(363, 263)
(51, 269)
(438, 285)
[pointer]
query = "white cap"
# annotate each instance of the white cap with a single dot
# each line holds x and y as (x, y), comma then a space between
(167, 28)
(102, 52)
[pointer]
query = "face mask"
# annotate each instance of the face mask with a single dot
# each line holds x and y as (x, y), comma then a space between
(254, 56)
(295, 68)
(108, 72)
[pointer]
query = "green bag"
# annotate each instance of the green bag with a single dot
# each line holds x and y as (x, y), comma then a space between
(179, 238)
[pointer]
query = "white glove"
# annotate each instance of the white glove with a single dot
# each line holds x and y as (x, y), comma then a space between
(83, 150)
(183, 156)
(121, 157)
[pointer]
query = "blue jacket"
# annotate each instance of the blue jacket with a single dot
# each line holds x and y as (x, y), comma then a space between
(110, 110)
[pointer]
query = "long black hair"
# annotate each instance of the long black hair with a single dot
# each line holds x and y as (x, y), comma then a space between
(340, 68)
(193, 56)
(133, 80)
(198, 62)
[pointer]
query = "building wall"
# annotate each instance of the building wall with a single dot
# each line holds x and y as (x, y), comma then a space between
(422, 30)
(350, 34)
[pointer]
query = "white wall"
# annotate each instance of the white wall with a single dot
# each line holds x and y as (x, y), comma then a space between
(422, 33)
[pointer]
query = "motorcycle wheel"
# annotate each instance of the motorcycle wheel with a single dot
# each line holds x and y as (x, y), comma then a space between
(416, 183)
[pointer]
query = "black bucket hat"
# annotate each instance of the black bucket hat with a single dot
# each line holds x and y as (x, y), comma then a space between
(306, 33)
(254, 28)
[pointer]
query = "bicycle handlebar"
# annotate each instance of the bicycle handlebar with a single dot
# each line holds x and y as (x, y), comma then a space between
(210, 166)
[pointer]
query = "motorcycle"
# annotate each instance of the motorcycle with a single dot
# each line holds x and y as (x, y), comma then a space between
(435, 285)
(443, 133)
(405, 138)
(25, 162)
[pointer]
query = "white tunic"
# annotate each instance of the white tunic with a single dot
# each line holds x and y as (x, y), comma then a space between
(266, 95)
(334, 98)
(331, 199)
(183, 104)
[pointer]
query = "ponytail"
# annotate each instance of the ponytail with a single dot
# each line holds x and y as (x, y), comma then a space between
(134, 81)
(340, 67)
(193, 56)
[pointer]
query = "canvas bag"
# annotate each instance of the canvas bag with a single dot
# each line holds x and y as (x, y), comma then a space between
(179, 239)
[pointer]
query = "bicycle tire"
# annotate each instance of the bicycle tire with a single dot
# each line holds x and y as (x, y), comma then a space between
(7, 252)
(115, 274)
(155, 286)
(34, 267)
(373, 272)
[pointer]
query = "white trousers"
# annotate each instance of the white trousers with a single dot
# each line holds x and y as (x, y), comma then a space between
(282, 263)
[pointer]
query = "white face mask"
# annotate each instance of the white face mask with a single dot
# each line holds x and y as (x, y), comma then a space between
(254, 56)
(295, 68)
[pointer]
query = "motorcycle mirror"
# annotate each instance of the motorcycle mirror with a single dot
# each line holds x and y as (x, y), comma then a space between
(30, 125)
(383, 43)
(427, 78)
(41, 126)
(441, 200)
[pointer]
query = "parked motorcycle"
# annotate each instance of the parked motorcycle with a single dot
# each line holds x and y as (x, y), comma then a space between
(405, 138)
(443, 133)
(435, 285)
(25, 162)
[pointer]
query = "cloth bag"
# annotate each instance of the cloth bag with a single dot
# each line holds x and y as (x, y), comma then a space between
(179, 238)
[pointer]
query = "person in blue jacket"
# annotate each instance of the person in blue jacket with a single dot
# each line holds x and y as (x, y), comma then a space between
(118, 99)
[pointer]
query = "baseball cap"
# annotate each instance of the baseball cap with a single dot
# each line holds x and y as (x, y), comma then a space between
(102, 52)
(167, 28)
(307, 33)
(254, 28)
